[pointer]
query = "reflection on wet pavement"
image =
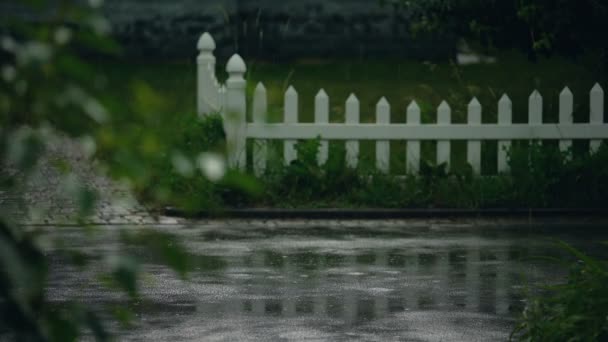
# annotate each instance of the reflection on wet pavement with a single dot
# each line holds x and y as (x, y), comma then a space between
(423, 287)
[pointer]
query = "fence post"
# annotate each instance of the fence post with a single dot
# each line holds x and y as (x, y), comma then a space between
(413, 146)
(207, 92)
(505, 117)
(597, 113)
(444, 117)
(260, 147)
(235, 119)
(474, 146)
(352, 117)
(383, 147)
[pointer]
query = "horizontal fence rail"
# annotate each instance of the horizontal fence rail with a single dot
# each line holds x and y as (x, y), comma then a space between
(426, 132)
(230, 100)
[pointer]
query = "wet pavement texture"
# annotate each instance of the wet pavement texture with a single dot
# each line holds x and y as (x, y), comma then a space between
(406, 281)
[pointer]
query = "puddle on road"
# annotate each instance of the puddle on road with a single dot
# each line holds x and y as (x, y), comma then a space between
(342, 287)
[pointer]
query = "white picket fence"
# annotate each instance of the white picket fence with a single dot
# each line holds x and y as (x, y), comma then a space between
(230, 100)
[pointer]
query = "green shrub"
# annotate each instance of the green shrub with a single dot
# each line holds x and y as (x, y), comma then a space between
(574, 311)
(541, 177)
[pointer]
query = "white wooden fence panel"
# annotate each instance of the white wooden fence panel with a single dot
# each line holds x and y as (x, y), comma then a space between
(352, 117)
(505, 119)
(566, 110)
(383, 147)
(291, 116)
(260, 146)
(322, 117)
(474, 146)
(597, 112)
(444, 117)
(413, 146)
(230, 100)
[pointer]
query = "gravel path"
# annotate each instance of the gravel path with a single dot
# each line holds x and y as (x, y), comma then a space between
(46, 198)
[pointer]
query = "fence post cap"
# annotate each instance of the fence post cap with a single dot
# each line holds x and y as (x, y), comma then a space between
(566, 92)
(505, 99)
(236, 65)
(206, 42)
(597, 88)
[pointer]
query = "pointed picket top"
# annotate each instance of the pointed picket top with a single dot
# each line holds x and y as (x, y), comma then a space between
(474, 103)
(236, 65)
(443, 113)
(535, 95)
(321, 94)
(206, 42)
(413, 106)
(291, 91)
(505, 99)
(259, 88)
(413, 113)
(352, 99)
(383, 102)
(535, 114)
(566, 105)
(383, 111)
(597, 106)
(474, 111)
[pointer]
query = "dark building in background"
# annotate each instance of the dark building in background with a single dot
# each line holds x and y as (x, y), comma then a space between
(268, 29)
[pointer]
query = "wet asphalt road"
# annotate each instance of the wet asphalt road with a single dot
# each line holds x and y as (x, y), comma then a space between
(324, 282)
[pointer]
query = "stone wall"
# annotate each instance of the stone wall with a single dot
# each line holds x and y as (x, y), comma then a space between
(270, 29)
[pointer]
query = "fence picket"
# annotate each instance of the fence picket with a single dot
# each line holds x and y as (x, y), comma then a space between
(260, 146)
(444, 117)
(352, 118)
(322, 117)
(383, 147)
(597, 112)
(413, 146)
(566, 109)
(505, 117)
(535, 106)
(291, 116)
(474, 146)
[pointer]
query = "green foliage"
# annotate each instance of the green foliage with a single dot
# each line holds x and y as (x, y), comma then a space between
(566, 27)
(541, 177)
(49, 87)
(574, 311)
(545, 177)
